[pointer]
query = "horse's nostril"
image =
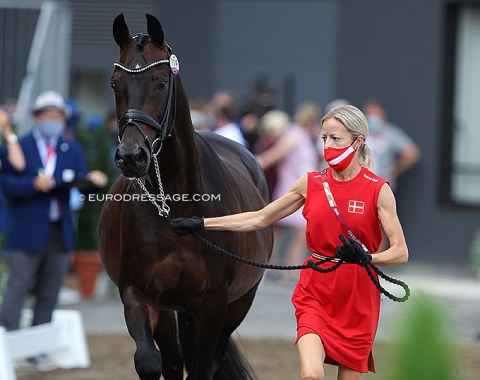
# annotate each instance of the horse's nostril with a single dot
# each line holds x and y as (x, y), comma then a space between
(120, 163)
(132, 161)
(140, 157)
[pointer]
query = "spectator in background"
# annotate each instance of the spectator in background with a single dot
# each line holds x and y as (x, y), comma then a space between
(272, 125)
(260, 101)
(295, 153)
(393, 151)
(41, 232)
(200, 115)
(74, 116)
(13, 154)
(220, 99)
(10, 156)
(225, 111)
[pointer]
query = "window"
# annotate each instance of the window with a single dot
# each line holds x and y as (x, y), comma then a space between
(463, 116)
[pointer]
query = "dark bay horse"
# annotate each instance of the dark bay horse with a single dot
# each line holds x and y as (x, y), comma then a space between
(181, 301)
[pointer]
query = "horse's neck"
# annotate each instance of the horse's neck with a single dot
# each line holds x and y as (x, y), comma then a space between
(178, 162)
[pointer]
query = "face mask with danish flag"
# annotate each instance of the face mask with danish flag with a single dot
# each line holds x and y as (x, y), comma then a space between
(339, 158)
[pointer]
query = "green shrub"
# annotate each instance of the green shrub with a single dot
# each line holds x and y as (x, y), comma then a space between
(475, 249)
(423, 350)
(3, 265)
(97, 146)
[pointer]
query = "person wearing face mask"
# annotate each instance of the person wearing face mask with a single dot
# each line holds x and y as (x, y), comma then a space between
(393, 151)
(337, 312)
(40, 232)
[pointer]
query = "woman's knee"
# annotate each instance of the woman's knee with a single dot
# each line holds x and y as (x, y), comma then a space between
(312, 373)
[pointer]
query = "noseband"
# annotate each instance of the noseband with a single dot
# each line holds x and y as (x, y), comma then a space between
(133, 116)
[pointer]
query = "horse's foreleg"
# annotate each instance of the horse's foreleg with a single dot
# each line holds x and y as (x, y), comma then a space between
(233, 366)
(148, 360)
(236, 313)
(208, 327)
(165, 334)
(186, 333)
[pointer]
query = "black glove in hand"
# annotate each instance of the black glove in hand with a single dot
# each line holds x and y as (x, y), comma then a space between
(185, 226)
(352, 252)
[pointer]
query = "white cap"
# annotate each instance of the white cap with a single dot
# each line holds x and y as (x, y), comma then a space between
(49, 99)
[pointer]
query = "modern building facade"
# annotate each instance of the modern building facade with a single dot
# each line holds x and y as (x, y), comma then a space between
(420, 58)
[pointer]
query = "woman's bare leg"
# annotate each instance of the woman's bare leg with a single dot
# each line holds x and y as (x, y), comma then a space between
(312, 355)
(345, 373)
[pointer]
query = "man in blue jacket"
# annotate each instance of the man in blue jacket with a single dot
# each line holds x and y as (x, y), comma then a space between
(41, 233)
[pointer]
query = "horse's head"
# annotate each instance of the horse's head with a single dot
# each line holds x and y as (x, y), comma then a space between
(144, 87)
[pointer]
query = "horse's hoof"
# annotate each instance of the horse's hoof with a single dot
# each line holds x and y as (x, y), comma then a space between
(148, 364)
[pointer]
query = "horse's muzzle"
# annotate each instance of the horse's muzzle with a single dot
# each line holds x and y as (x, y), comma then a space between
(133, 162)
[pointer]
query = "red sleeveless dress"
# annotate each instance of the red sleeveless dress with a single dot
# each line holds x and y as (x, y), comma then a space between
(343, 306)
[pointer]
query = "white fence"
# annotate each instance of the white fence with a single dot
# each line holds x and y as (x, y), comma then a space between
(63, 339)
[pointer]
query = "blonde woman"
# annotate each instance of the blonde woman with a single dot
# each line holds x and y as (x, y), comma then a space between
(293, 155)
(337, 313)
(272, 125)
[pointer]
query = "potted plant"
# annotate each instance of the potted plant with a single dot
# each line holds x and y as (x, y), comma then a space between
(86, 259)
(97, 145)
(475, 251)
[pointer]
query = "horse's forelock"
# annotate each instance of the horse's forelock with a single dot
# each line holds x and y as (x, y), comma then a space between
(141, 40)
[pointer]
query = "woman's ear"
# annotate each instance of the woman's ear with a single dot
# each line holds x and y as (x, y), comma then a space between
(359, 141)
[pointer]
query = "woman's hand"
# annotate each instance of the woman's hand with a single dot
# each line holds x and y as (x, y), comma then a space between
(185, 226)
(352, 252)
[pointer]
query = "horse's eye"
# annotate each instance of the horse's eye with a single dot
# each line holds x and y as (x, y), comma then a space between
(113, 85)
(161, 84)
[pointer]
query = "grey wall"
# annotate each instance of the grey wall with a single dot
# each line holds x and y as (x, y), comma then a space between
(395, 51)
(274, 39)
(228, 44)
(189, 28)
(16, 33)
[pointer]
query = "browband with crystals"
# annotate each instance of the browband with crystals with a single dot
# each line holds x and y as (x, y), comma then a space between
(138, 68)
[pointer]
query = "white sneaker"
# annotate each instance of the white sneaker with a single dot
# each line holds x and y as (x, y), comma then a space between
(68, 296)
(23, 365)
(42, 363)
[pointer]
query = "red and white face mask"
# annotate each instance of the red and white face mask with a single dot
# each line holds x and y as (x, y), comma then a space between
(339, 158)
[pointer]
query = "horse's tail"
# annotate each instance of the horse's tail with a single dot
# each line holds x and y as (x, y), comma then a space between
(234, 365)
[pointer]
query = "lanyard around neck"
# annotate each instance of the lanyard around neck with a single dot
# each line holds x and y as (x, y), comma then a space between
(336, 211)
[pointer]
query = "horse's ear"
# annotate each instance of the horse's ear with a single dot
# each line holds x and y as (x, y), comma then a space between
(154, 30)
(120, 31)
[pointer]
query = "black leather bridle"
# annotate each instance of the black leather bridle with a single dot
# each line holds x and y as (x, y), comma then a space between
(132, 116)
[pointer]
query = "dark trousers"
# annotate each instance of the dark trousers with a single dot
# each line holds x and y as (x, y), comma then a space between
(42, 272)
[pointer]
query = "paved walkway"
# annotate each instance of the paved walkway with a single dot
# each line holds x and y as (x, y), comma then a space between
(272, 315)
